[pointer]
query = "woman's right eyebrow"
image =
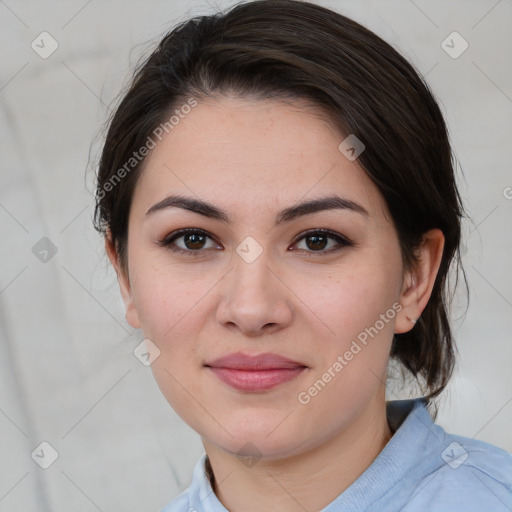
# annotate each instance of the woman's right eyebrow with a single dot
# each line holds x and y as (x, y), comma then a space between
(288, 214)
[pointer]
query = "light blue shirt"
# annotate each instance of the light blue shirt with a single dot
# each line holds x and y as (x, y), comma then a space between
(421, 468)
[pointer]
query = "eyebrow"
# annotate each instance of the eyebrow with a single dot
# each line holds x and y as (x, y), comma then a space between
(288, 214)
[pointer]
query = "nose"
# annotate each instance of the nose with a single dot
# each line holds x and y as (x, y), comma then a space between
(254, 299)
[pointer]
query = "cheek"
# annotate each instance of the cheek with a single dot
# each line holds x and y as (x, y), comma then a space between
(174, 303)
(352, 362)
(167, 295)
(353, 298)
(359, 304)
(171, 310)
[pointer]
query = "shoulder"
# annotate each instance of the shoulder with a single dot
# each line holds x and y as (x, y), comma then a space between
(431, 469)
(471, 475)
(180, 504)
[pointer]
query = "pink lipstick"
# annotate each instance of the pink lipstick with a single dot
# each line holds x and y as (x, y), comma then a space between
(255, 373)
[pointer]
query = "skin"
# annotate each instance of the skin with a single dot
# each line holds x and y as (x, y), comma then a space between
(254, 158)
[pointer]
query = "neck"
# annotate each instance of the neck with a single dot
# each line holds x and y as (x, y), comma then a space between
(309, 480)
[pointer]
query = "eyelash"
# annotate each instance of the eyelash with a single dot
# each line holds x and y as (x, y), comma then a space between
(168, 240)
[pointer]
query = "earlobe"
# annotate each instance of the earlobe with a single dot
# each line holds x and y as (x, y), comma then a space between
(131, 313)
(419, 282)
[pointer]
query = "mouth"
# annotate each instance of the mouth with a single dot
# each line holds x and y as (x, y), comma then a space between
(255, 373)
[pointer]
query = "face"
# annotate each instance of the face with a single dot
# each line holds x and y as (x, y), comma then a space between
(259, 281)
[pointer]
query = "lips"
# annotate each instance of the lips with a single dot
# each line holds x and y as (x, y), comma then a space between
(267, 361)
(255, 373)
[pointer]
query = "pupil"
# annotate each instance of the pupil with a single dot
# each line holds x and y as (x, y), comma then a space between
(194, 240)
(316, 243)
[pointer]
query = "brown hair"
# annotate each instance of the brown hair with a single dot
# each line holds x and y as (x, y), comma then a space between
(299, 50)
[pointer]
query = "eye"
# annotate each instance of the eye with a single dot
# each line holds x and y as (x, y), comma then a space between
(316, 240)
(193, 241)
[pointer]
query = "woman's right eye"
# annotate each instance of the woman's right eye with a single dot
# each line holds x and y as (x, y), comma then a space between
(193, 241)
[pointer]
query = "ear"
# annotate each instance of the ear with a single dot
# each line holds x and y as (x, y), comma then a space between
(132, 316)
(419, 282)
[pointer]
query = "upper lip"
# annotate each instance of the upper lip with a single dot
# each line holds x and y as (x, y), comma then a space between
(266, 361)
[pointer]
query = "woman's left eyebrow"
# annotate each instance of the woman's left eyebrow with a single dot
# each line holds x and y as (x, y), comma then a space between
(288, 214)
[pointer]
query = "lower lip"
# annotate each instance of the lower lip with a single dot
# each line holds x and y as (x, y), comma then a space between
(256, 380)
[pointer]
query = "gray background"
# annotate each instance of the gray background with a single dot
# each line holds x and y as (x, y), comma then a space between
(67, 372)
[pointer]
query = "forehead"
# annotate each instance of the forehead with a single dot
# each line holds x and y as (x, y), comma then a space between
(240, 153)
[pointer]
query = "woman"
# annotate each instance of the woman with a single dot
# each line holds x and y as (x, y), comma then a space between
(278, 199)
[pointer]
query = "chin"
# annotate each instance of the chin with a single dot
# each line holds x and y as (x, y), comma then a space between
(265, 442)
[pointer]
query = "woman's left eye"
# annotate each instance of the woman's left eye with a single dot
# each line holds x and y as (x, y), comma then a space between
(317, 240)
(194, 240)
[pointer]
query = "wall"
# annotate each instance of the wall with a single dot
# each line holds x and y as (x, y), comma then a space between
(67, 372)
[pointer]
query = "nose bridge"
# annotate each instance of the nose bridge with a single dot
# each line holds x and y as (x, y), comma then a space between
(252, 274)
(253, 296)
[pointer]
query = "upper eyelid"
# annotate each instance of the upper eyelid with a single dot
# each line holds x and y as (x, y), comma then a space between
(184, 231)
